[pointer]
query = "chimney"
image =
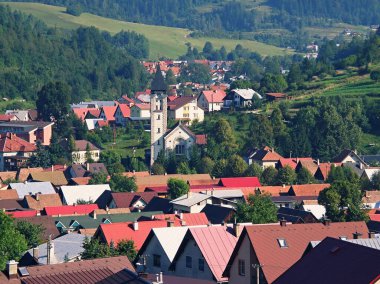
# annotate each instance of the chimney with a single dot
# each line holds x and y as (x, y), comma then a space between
(88, 166)
(52, 168)
(318, 162)
(36, 253)
(371, 235)
(183, 223)
(189, 194)
(12, 269)
(361, 166)
(135, 226)
(326, 222)
(357, 235)
(94, 214)
(181, 216)
(237, 229)
(37, 196)
(283, 222)
(161, 278)
(170, 223)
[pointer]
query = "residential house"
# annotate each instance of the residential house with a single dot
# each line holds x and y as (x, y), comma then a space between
(126, 100)
(204, 253)
(66, 248)
(159, 249)
(307, 189)
(90, 222)
(22, 115)
(241, 98)
(140, 112)
(218, 214)
(117, 270)
(10, 204)
(319, 211)
(291, 162)
(40, 201)
(371, 159)
(69, 210)
(292, 201)
(195, 202)
(295, 216)
(30, 131)
(89, 193)
(79, 153)
(211, 100)
(265, 157)
(280, 190)
(14, 152)
(271, 97)
(8, 194)
(371, 199)
(138, 231)
(308, 165)
(107, 113)
(32, 188)
(23, 173)
(240, 182)
(80, 113)
(131, 200)
(324, 169)
(159, 204)
(46, 222)
(270, 250)
(122, 114)
(185, 109)
(340, 261)
(56, 178)
(350, 157)
(79, 170)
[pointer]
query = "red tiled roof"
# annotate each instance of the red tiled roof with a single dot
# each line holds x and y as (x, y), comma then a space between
(292, 162)
(125, 110)
(81, 180)
(11, 143)
(275, 190)
(60, 168)
(325, 168)
(266, 154)
(240, 182)
(70, 210)
(136, 174)
(215, 96)
(374, 217)
(94, 112)
(22, 213)
(8, 194)
(201, 139)
(6, 117)
(109, 112)
(191, 219)
(307, 189)
(80, 112)
(311, 166)
(276, 260)
(102, 123)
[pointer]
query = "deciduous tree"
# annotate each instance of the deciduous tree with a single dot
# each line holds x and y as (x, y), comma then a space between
(177, 188)
(259, 209)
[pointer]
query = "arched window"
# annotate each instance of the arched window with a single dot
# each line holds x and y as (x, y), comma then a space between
(180, 147)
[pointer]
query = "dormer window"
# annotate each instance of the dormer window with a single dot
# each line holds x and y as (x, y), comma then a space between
(282, 243)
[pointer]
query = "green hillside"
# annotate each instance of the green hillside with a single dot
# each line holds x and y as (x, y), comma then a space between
(164, 41)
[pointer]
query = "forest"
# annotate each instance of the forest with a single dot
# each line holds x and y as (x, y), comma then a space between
(95, 64)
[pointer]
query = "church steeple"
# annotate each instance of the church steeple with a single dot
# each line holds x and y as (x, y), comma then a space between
(158, 84)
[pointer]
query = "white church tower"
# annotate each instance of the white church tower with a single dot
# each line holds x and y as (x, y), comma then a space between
(158, 114)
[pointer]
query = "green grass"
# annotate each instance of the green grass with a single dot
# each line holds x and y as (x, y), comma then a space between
(164, 41)
(125, 144)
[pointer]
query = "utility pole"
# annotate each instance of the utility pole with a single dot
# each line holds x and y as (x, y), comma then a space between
(257, 266)
(48, 247)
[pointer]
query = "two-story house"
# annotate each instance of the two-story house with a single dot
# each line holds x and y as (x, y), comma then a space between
(186, 109)
(211, 100)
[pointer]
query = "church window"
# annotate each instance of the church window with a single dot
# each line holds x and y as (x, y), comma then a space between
(180, 149)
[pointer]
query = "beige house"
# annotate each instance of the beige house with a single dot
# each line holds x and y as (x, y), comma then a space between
(80, 150)
(185, 109)
(211, 100)
(140, 112)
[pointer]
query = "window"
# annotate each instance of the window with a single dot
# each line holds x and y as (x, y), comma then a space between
(201, 264)
(282, 243)
(157, 260)
(158, 130)
(242, 267)
(158, 117)
(189, 262)
(180, 149)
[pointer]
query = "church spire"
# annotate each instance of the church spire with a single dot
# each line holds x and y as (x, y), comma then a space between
(158, 83)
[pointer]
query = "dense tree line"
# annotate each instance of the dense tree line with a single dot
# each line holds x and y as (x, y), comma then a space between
(94, 64)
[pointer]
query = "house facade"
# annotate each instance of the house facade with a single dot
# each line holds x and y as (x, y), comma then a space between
(241, 98)
(185, 109)
(122, 113)
(79, 154)
(211, 100)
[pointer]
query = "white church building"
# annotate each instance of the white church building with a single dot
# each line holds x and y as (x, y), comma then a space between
(180, 139)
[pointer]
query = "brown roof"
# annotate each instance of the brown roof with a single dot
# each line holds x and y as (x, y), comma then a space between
(308, 189)
(81, 145)
(266, 154)
(371, 196)
(8, 194)
(136, 174)
(162, 180)
(274, 259)
(101, 270)
(128, 199)
(180, 102)
(23, 173)
(40, 201)
(57, 178)
(47, 222)
(112, 211)
(311, 166)
(81, 180)
(10, 204)
(7, 175)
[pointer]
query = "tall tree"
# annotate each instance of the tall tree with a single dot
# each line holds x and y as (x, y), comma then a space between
(177, 188)
(236, 166)
(286, 175)
(31, 232)
(119, 183)
(259, 209)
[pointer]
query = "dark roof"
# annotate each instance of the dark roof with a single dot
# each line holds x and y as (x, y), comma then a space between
(158, 83)
(218, 214)
(335, 261)
(78, 170)
(374, 226)
(159, 204)
(128, 199)
(10, 204)
(81, 145)
(180, 102)
(97, 168)
(285, 198)
(302, 214)
(289, 218)
(371, 158)
(104, 199)
(47, 222)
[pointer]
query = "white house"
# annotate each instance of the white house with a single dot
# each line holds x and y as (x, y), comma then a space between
(241, 98)
(185, 109)
(80, 151)
(140, 112)
(90, 193)
(211, 100)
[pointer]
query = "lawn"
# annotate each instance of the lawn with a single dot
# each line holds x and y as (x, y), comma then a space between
(164, 41)
(125, 146)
